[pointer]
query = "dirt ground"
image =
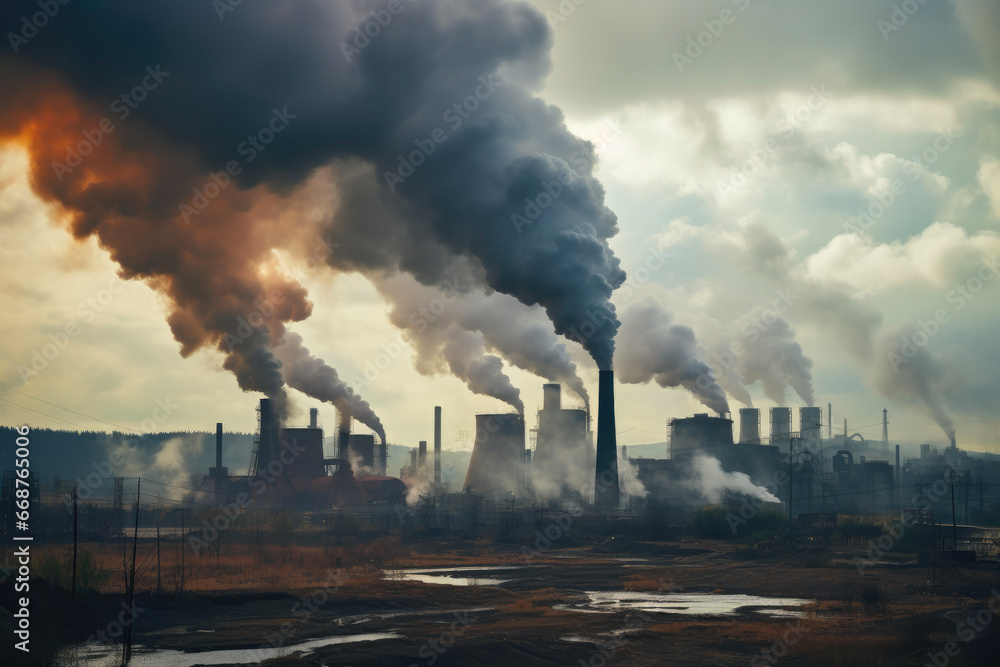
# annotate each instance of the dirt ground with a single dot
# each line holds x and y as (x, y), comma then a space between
(896, 614)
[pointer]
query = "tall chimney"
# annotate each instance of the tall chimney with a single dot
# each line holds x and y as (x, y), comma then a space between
(218, 446)
(829, 421)
(313, 417)
(422, 454)
(343, 435)
(606, 489)
(437, 444)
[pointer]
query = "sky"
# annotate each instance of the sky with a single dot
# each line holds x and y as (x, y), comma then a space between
(815, 184)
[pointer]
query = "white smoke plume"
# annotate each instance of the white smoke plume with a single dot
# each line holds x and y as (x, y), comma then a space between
(447, 324)
(712, 482)
(652, 347)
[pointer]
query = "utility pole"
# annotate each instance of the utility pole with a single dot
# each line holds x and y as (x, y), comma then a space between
(182, 548)
(954, 523)
(885, 431)
(158, 589)
(73, 595)
(130, 594)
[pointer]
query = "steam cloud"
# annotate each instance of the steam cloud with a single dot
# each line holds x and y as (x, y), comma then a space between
(459, 327)
(653, 348)
(712, 482)
(313, 377)
(438, 137)
(914, 373)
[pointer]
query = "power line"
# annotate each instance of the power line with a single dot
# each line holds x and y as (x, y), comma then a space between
(74, 411)
(40, 414)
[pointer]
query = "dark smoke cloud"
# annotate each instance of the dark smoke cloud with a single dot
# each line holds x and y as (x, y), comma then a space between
(654, 348)
(226, 79)
(313, 377)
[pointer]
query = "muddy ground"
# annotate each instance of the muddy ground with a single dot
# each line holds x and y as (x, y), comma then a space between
(895, 614)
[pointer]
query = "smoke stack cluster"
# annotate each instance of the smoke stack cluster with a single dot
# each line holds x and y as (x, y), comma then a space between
(606, 486)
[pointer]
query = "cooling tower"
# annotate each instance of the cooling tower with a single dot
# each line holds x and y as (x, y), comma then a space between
(750, 425)
(700, 434)
(781, 423)
(497, 463)
(606, 489)
(810, 423)
(560, 468)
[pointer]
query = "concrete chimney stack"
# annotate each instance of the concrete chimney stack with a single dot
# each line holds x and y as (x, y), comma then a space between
(437, 444)
(551, 397)
(218, 446)
(606, 488)
(313, 418)
(422, 454)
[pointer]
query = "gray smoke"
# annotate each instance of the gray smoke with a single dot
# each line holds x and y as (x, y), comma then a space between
(454, 159)
(483, 373)
(712, 482)
(770, 355)
(652, 347)
(906, 371)
(521, 335)
(313, 377)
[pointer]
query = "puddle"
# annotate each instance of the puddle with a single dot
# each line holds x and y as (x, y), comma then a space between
(452, 576)
(689, 604)
(365, 618)
(103, 655)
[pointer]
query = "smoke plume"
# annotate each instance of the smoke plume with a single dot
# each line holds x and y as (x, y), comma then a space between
(653, 348)
(232, 109)
(313, 377)
(521, 335)
(712, 482)
(483, 373)
(915, 373)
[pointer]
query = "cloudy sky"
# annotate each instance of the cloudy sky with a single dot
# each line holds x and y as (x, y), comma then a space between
(807, 199)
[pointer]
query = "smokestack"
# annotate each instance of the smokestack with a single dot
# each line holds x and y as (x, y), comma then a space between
(606, 489)
(750, 425)
(343, 435)
(829, 421)
(551, 397)
(422, 454)
(437, 444)
(218, 446)
(781, 423)
(313, 418)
